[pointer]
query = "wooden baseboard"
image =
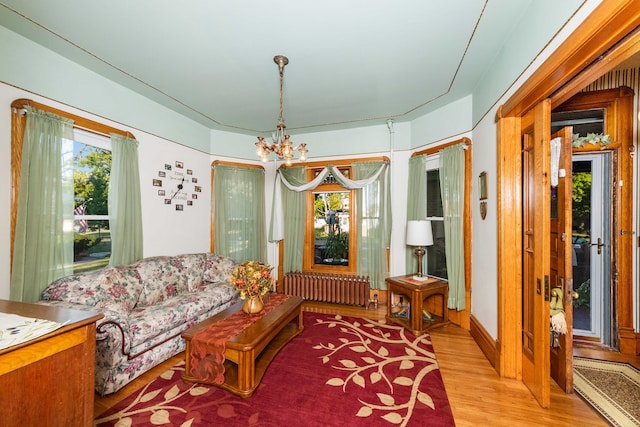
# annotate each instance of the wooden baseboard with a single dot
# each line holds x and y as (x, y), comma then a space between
(487, 344)
(629, 341)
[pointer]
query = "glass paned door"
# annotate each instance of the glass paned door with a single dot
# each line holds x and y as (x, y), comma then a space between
(591, 247)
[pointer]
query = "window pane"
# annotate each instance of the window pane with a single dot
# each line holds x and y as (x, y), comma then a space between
(436, 255)
(91, 248)
(92, 237)
(434, 201)
(331, 228)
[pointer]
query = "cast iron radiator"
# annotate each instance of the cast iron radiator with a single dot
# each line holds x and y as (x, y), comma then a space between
(334, 288)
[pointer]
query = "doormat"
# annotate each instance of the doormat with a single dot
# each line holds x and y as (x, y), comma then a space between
(611, 388)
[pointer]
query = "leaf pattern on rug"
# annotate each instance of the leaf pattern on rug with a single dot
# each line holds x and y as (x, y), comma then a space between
(366, 358)
(160, 410)
(341, 371)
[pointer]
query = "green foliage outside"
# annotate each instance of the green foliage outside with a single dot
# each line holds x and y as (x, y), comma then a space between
(337, 246)
(91, 182)
(581, 199)
(83, 242)
(584, 295)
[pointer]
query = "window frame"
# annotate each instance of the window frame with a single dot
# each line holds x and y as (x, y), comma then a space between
(308, 260)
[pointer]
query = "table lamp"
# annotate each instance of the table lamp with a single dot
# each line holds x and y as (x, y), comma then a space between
(419, 234)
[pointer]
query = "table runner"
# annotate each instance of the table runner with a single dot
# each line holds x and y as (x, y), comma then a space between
(208, 346)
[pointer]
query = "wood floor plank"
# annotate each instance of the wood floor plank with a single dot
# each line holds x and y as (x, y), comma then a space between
(477, 394)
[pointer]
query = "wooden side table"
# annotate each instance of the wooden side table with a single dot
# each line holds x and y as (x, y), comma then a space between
(407, 302)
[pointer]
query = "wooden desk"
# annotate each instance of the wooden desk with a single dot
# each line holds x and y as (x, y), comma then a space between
(249, 353)
(415, 298)
(49, 380)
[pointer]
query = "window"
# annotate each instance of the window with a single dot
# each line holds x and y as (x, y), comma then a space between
(91, 173)
(436, 259)
(330, 242)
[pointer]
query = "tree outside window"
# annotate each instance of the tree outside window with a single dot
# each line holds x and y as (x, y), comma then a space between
(91, 172)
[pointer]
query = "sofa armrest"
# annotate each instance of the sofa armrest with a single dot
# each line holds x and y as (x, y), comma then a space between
(113, 326)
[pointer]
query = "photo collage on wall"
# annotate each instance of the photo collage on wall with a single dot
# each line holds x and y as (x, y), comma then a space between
(177, 186)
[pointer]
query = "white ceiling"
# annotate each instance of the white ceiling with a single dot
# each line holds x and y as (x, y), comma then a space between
(352, 63)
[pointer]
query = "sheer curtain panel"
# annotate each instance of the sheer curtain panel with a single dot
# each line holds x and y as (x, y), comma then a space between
(416, 203)
(374, 224)
(238, 209)
(125, 210)
(43, 246)
(452, 174)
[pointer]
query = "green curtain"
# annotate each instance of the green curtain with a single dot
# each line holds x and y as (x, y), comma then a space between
(294, 219)
(125, 209)
(238, 209)
(416, 202)
(452, 189)
(43, 246)
(373, 224)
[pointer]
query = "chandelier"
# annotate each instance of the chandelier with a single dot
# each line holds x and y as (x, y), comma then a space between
(281, 145)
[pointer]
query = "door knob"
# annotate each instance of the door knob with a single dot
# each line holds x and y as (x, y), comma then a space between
(599, 245)
(575, 295)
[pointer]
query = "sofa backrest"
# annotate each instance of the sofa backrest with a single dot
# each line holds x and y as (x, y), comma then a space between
(116, 288)
(165, 277)
(143, 283)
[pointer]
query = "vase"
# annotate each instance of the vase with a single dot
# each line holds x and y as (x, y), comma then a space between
(253, 305)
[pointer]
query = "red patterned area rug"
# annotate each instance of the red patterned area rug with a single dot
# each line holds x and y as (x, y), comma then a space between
(341, 371)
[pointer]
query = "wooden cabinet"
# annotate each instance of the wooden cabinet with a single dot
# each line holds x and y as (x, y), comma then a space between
(418, 306)
(49, 380)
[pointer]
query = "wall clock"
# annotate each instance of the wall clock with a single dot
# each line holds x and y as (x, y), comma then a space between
(180, 187)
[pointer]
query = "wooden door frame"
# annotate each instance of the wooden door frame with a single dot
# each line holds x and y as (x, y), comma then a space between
(607, 37)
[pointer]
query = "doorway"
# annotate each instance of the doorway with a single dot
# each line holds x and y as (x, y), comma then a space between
(591, 241)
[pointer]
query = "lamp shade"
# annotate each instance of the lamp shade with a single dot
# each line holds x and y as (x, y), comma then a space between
(419, 233)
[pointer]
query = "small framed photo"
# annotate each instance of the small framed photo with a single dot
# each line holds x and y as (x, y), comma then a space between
(157, 183)
(189, 202)
(160, 192)
(179, 165)
(162, 174)
(194, 196)
(179, 207)
(194, 180)
(198, 189)
(482, 186)
(167, 201)
(189, 172)
(167, 166)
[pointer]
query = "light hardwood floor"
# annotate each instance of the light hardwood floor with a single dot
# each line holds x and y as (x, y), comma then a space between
(478, 396)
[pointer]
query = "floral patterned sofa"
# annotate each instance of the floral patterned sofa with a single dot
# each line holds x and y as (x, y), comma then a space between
(146, 306)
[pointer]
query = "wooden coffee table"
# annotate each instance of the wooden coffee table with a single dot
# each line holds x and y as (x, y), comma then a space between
(249, 353)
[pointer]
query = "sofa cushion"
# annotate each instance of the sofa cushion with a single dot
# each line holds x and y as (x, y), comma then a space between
(162, 280)
(114, 288)
(191, 267)
(218, 268)
(149, 325)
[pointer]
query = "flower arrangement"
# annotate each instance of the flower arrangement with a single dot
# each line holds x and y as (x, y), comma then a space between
(252, 278)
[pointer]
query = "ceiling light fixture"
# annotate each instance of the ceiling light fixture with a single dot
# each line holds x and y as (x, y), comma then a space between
(281, 145)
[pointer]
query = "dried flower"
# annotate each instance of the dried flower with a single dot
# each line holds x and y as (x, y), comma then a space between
(252, 278)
